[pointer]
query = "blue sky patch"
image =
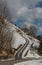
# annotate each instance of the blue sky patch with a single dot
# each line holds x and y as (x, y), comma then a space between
(18, 22)
(38, 22)
(39, 4)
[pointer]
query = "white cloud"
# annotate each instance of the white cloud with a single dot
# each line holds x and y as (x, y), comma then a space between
(18, 8)
(22, 10)
(25, 9)
(30, 3)
(37, 12)
(40, 29)
(29, 14)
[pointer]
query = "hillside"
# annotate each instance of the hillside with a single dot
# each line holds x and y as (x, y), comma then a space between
(14, 41)
(39, 37)
(40, 48)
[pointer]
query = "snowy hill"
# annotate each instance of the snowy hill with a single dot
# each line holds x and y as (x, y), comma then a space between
(14, 38)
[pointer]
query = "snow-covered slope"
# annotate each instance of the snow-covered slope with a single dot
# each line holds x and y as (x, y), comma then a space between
(14, 37)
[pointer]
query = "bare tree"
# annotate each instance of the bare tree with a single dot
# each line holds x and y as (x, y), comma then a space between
(5, 37)
(32, 30)
(4, 10)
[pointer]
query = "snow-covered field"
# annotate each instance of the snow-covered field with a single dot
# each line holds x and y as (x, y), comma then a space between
(32, 62)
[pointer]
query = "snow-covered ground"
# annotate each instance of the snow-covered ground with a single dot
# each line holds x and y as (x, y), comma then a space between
(16, 37)
(32, 54)
(32, 62)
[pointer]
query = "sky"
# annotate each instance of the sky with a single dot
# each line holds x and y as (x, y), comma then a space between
(26, 12)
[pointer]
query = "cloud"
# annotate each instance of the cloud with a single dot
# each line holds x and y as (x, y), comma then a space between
(30, 3)
(24, 8)
(32, 13)
(37, 12)
(29, 14)
(40, 29)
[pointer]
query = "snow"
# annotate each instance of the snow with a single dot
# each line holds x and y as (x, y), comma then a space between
(19, 37)
(17, 40)
(27, 48)
(32, 54)
(36, 43)
(32, 62)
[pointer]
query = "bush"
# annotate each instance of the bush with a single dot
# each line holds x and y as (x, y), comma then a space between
(40, 49)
